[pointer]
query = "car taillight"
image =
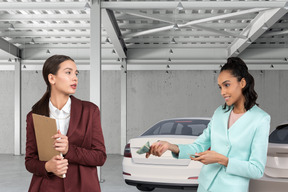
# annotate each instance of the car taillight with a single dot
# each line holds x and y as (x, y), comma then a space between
(192, 177)
(127, 151)
(124, 173)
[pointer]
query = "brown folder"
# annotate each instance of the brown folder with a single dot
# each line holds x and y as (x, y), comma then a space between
(45, 128)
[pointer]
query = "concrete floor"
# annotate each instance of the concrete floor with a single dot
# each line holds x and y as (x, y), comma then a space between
(15, 178)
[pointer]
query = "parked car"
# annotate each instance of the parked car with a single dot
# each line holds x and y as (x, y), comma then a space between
(276, 171)
(277, 158)
(165, 171)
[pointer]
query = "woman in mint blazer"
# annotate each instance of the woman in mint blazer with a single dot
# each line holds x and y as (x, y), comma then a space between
(237, 135)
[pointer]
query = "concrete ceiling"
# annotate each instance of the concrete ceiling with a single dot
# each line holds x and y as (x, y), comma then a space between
(229, 25)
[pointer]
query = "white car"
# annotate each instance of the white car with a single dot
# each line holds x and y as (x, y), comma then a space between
(276, 171)
(277, 158)
(165, 171)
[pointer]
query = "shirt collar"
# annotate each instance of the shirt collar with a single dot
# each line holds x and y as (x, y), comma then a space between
(65, 109)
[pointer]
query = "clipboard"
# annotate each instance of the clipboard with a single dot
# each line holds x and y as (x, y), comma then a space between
(45, 128)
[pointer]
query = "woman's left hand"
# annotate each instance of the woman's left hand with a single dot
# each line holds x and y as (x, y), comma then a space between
(61, 143)
(209, 157)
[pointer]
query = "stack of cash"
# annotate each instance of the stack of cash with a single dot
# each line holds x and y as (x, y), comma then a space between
(144, 149)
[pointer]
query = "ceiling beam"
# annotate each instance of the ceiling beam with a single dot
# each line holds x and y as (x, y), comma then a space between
(275, 33)
(52, 40)
(47, 33)
(230, 26)
(193, 32)
(181, 40)
(255, 29)
(184, 17)
(47, 26)
(114, 33)
(10, 48)
(147, 16)
(190, 23)
(44, 17)
(42, 6)
(192, 5)
(168, 46)
(223, 33)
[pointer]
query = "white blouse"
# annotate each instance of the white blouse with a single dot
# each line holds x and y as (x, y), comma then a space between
(62, 116)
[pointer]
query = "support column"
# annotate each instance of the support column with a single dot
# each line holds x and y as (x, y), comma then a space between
(17, 108)
(123, 105)
(95, 57)
(95, 52)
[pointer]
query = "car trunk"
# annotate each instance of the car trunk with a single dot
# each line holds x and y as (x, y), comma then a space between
(166, 158)
(277, 160)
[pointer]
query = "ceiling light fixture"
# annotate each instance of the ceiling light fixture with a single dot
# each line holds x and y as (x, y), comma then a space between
(176, 27)
(87, 6)
(48, 51)
(265, 26)
(107, 40)
(180, 6)
(169, 60)
(285, 59)
(173, 41)
(11, 27)
(171, 51)
(32, 42)
(10, 60)
(113, 51)
(271, 66)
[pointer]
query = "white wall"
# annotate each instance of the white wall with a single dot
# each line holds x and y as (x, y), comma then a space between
(6, 111)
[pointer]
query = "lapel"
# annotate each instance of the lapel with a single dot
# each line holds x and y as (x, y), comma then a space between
(75, 115)
(226, 119)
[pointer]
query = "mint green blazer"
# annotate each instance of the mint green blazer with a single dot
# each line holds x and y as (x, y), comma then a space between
(244, 143)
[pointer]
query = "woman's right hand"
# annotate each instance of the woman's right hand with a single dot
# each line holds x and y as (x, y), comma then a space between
(158, 148)
(57, 165)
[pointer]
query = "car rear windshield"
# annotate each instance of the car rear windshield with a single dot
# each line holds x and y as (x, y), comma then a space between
(279, 135)
(178, 127)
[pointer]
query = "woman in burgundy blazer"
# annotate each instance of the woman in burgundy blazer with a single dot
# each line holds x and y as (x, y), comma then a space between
(84, 138)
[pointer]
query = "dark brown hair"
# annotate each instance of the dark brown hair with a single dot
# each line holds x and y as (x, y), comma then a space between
(239, 69)
(51, 66)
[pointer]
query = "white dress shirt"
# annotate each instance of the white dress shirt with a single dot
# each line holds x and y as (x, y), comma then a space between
(62, 116)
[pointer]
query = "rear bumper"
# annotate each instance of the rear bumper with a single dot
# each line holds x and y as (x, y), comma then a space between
(161, 185)
(160, 175)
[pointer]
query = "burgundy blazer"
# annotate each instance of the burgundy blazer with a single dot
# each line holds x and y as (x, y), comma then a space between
(86, 151)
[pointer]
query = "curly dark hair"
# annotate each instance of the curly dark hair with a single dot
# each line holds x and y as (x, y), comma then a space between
(239, 69)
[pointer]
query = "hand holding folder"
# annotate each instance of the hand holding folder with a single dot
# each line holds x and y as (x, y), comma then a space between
(45, 128)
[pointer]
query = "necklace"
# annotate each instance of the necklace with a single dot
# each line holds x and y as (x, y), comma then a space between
(56, 117)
